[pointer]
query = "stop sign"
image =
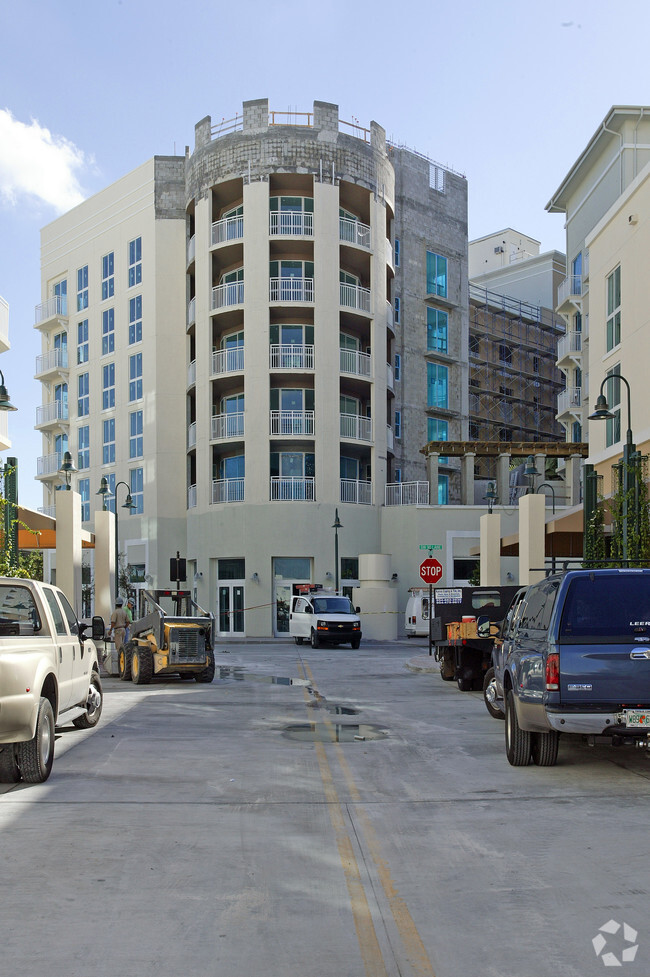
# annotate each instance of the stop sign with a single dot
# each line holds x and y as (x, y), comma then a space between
(431, 570)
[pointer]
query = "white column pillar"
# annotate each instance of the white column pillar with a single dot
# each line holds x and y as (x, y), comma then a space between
(532, 533)
(104, 563)
(572, 479)
(503, 479)
(68, 546)
(490, 563)
(467, 479)
(432, 475)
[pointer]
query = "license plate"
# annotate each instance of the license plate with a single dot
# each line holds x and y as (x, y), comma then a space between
(637, 718)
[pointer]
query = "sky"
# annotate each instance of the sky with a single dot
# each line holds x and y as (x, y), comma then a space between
(507, 93)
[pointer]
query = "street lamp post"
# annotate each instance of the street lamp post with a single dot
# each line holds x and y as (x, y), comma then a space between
(603, 413)
(547, 485)
(105, 491)
(336, 526)
(67, 468)
(490, 497)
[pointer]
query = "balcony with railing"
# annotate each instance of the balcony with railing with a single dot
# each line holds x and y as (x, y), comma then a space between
(227, 230)
(298, 423)
(48, 510)
(191, 497)
(289, 357)
(226, 426)
(569, 291)
(356, 427)
(355, 362)
(52, 413)
(191, 311)
(191, 435)
(191, 249)
(390, 317)
(226, 295)
(291, 290)
(53, 361)
(292, 489)
(229, 360)
(354, 232)
(55, 307)
(569, 346)
(227, 490)
(291, 224)
(191, 374)
(407, 493)
(354, 297)
(48, 465)
(357, 491)
(569, 401)
(390, 438)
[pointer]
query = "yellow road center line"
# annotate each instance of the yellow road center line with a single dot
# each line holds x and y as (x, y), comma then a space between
(411, 940)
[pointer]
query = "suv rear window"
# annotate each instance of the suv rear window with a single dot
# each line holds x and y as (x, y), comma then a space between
(607, 606)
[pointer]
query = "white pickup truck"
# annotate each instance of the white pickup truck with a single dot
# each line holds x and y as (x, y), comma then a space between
(49, 676)
(324, 617)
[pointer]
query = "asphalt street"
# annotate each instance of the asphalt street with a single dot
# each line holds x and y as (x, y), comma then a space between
(329, 813)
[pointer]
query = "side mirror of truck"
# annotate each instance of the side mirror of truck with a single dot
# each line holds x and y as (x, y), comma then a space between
(98, 628)
(309, 609)
(357, 610)
(483, 627)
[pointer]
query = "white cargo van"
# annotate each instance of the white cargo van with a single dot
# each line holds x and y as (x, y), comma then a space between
(324, 617)
(416, 618)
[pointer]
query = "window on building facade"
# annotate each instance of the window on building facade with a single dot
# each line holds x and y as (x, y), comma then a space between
(474, 431)
(437, 324)
(136, 483)
(83, 487)
(505, 353)
(436, 178)
(83, 447)
(60, 292)
(437, 385)
(436, 274)
(82, 288)
(613, 388)
(108, 444)
(108, 386)
(443, 489)
(135, 262)
(83, 394)
(397, 425)
(291, 281)
(82, 341)
(614, 308)
(135, 377)
(135, 320)
(108, 275)
(576, 431)
(135, 434)
(576, 275)
(398, 474)
(397, 307)
(109, 500)
(474, 345)
(291, 215)
(438, 430)
(396, 252)
(108, 331)
(398, 366)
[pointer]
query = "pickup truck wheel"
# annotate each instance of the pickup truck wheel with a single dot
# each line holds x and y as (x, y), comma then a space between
(9, 772)
(35, 757)
(208, 673)
(315, 640)
(444, 675)
(465, 684)
(298, 640)
(517, 740)
(141, 665)
(94, 703)
(124, 661)
(490, 695)
(544, 748)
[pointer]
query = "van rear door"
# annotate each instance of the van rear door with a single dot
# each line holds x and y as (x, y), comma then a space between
(604, 639)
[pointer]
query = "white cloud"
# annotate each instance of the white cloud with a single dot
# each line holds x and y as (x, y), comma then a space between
(35, 163)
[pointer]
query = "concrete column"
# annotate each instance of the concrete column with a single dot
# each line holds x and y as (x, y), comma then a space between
(375, 596)
(467, 479)
(68, 546)
(432, 475)
(490, 562)
(572, 479)
(503, 479)
(532, 533)
(540, 465)
(104, 563)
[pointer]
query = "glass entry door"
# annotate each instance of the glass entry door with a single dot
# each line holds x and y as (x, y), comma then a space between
(231, 609)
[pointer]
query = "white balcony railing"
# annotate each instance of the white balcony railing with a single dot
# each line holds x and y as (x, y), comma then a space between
(48, 464)
(390, 377)
(227, 294)
(354, 232)
(569, 344)
(292, 422)
(228, 229)
(353, 361)
(191, 497)
(390, 317)
(353, 490)
(191, 374)
(289, 357)
(55, 359)
(285, 222)
(228, 425)
(191, 311)
(228, 490)
(292, 489)
(354, 297)
(570, 286)
(356, 426)
(407, 493)
(57, 305)
(390, 258)
(291, 290)
(390, 437)
(569, 400)
(230, 360)
(191, 435)
(48, 510)
(191, 249)
(56, 411)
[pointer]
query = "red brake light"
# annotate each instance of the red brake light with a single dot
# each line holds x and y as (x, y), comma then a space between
(553, 672)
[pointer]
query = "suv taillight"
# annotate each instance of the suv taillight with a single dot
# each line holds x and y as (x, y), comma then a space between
(553, 672)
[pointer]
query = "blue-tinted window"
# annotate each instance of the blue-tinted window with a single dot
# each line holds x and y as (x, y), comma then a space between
(83, 394)
(135, 320)
(108, 276)
(136, 482)
(436, 274)
(398, 424)
(437, 385)
(135, 377)
(108, 331)
(108, 453)
(83, 447)
(438, 430)
(108, 386)
(437, 325)
(82, 341)
(135, 261)
(135, 434)
(83, 487)
(82, 288)
(443, 489)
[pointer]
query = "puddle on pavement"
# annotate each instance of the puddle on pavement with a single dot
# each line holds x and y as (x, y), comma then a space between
(333, 733)
(241, 675)
(335, 709)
